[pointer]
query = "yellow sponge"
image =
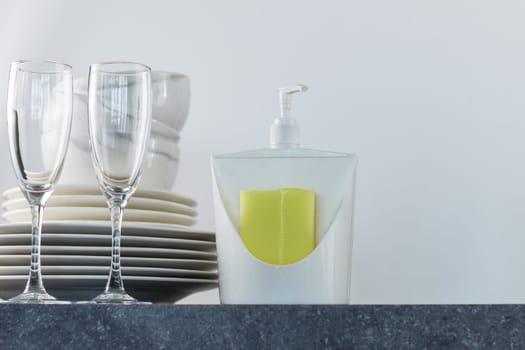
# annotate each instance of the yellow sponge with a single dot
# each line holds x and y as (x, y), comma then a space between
(278, 226)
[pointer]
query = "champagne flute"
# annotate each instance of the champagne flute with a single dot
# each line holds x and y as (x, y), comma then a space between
(119, 126)
(39, 112)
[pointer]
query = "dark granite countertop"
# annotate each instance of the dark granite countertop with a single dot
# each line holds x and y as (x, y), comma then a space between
(267, 327)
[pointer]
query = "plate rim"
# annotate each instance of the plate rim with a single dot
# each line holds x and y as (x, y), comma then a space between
(146, 269)
(136, 239)
(134, 278)
(147, 193)
(103, 226)
(100, 249)
(108, 258)
(97, 211)
(90, 198)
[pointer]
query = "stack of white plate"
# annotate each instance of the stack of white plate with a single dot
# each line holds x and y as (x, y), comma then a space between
(163, 259)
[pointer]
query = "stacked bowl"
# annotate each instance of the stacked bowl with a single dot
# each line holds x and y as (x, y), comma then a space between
(163, 258)
(170, 106)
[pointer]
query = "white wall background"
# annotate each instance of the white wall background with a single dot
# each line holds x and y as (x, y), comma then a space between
(429, 94)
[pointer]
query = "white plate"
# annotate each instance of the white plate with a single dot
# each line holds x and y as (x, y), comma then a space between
(87, 260)
(106, 251)
(14, 193)
(68, 287)
(104, 271)
(98, 201)
(81, 239)
(80, 213)
(103, 227)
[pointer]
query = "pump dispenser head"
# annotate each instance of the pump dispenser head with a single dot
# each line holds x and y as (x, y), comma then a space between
(284, 131)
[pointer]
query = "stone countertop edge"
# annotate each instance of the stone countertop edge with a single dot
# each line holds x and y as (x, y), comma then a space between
(262, 326)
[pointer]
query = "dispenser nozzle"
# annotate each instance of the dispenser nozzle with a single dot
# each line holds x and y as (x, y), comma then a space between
(285, 98)
(284, 131)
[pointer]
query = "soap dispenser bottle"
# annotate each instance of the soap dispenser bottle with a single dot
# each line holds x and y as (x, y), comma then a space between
(283, 219)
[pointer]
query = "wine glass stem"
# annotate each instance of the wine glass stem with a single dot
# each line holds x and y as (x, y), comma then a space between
(34, 283)
(115, 283)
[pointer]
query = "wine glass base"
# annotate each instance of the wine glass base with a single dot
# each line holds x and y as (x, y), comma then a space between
(121, 298)
(36, 298)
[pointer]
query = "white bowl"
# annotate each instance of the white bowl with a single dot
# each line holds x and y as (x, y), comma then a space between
(160, 129)
(157, 144)
(79, 127)
(171, 98)
(159, 169)
(161, 145)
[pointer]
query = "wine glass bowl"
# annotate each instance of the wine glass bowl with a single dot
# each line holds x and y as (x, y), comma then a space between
(119, 123)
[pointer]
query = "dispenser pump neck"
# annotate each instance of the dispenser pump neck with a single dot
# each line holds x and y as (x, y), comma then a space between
(284, 131)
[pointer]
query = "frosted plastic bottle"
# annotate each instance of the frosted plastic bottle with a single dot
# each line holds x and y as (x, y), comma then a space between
(323, 276)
